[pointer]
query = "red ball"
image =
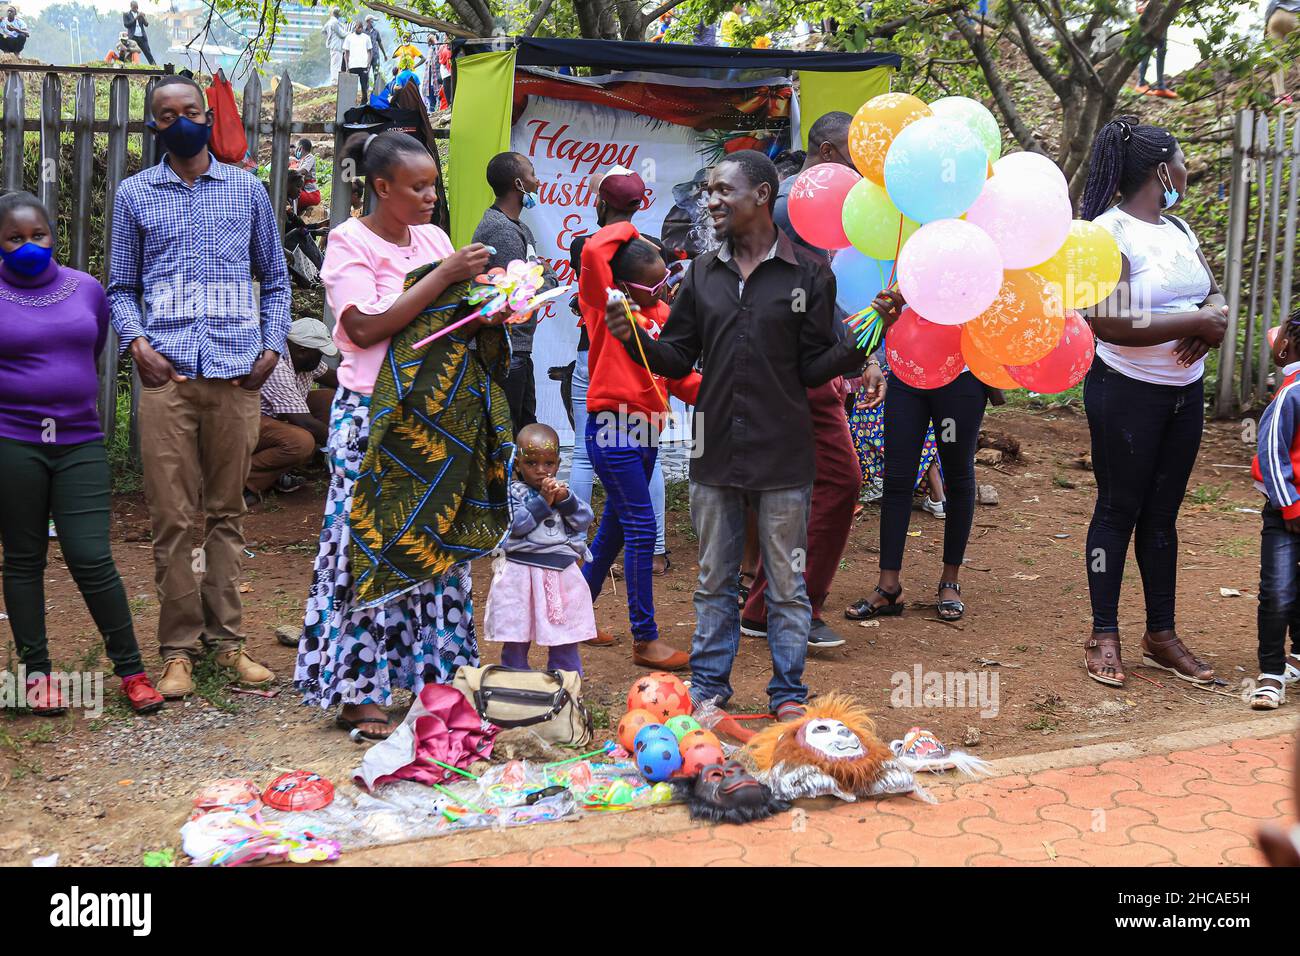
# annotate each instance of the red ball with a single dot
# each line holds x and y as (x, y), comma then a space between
(696, 737)
(660, 693)
(1065, 366)
(923, 354)
(633, 721)
(700, 756)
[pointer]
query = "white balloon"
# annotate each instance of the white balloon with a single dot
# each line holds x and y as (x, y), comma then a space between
(1027, 217)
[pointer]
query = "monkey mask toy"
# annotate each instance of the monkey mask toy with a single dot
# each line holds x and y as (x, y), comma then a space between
(728, 793)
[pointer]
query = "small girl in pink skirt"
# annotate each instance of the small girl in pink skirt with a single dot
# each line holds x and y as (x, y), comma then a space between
(538, 594)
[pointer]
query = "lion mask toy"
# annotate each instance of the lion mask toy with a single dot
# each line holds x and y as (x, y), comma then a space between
(832, 749)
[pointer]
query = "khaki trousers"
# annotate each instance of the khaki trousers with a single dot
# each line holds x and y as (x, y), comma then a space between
(196, 442)
(1280, 25)
(282, 446)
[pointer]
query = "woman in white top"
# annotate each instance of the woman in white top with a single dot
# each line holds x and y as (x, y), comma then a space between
(1144, 394)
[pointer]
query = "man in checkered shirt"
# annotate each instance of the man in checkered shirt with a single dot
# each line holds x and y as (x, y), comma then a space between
(295, 416)
(197, 241)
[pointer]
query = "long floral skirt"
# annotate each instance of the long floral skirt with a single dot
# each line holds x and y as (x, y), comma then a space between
(358, 656)
(867, 426)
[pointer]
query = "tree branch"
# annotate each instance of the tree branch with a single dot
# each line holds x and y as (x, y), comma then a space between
(1039, 62)
(535, 21)
(1056, 17)
(1024, 136)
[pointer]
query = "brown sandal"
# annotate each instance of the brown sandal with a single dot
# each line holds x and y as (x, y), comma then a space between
(1173, 656)
(1101, 654)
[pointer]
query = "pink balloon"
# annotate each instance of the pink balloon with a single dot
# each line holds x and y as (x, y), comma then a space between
(816, 203)
(1028, 163)
(1026, 217)
(1063, 367)
(921, 353)
(950, 271)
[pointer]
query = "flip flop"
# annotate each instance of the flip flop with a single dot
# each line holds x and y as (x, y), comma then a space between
(354, 726)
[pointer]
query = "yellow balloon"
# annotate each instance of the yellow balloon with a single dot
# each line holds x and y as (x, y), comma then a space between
(874, 127)
(871, 221)
(1085, 270)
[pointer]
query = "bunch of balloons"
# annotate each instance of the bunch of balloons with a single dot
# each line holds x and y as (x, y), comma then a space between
(983, 247)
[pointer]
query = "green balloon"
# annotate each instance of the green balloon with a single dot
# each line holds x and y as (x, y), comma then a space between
(871, 221)
(975, 116)
(681, 725)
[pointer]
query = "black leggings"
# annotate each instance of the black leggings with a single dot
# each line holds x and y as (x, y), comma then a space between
(957, 409)
(1144, 443)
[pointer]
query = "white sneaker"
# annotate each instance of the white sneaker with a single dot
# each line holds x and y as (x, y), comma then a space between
(934, 507)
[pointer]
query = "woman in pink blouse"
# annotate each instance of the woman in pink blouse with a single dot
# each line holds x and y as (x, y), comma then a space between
(353, 658)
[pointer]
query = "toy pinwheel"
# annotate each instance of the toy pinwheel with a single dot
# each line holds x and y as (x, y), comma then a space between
(509, 292)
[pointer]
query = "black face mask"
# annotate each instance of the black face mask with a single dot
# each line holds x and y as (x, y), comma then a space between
(184, 138)
(727, 792)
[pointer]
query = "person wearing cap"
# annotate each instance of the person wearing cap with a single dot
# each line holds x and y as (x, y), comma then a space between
(378, 53)
(295, 417)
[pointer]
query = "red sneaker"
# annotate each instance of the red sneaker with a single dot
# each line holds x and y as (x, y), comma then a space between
(140, 692)
(44, 697)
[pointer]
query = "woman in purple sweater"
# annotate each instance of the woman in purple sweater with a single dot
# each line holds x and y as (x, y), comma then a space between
(53, 322)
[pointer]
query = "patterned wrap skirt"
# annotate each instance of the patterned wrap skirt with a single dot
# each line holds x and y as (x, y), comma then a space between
(867, 426)
(350, 656)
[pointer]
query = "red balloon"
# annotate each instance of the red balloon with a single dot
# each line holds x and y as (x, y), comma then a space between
(1063, 367)
(923, 354)
(816, 204)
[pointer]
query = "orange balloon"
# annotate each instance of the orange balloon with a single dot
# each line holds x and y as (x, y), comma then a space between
(633, 721)
(1023, 324)
(874, 127)
(991, 373)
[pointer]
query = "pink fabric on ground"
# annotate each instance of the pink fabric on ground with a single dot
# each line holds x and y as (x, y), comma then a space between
(441, 724)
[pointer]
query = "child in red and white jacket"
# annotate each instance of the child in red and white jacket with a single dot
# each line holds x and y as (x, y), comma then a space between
(627, 408)
(1276, 469)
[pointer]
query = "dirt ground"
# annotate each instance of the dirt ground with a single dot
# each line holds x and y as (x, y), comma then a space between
(105, 790)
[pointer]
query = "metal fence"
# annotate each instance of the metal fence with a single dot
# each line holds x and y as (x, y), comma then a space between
(1260, 264)
(75, 186)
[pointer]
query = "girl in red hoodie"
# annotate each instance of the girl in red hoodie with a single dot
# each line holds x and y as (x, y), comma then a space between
(627, 408)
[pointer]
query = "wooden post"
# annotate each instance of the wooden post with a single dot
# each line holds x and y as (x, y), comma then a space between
(341, 174)
(1288, 243)
(13, 132)
(148, 158)
(83, 165)
(280, 148)
(1259, 154)
(119, 114)
(51, 107)
(1239, 206)
(1274, 216)
(253, 112)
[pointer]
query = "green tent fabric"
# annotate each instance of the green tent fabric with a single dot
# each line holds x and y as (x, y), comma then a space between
(822, 93)
(480, 128)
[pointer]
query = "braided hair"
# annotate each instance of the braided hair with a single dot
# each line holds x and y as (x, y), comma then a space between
(1123, 155)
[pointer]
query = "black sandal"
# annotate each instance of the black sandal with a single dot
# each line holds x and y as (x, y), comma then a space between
(950, 610)
(354, 725)
(864, 610)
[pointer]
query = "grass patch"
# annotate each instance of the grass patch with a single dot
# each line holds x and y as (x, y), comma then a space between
(124, 472)
(1021, 398)
(1209, 494)
(1235, 547)
(212, 683)
(599, 716)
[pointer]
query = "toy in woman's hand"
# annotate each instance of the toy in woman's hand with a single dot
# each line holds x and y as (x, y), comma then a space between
(630, 724)
(661, 693)
(509, 295)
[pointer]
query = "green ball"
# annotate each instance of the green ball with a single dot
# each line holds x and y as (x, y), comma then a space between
(681, 725)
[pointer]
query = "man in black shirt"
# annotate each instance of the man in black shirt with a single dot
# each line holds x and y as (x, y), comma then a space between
(760, 311)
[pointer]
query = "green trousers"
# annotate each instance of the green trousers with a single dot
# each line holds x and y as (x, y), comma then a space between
(69, 483)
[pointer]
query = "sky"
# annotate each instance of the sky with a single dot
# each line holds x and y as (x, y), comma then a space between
(34, 7)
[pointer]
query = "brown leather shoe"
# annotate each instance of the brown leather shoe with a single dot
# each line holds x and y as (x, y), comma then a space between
(177, 679)
(1172, 655)
(602, 639)
(676, 661)
(249, 672)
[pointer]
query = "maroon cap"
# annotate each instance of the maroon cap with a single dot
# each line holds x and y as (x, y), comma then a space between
(622, 188)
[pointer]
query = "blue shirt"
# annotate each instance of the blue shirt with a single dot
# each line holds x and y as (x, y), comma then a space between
(193, 252)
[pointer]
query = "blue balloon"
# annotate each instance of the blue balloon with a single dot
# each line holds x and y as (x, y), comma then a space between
(935, 169)
(858, 278)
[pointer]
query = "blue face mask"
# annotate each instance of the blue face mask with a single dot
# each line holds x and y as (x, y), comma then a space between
(1171, 197)
(28, 259)
(184, 138)
(530, 199)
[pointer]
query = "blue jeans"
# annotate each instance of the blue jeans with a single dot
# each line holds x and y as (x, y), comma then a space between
(719, 518)
(580, 472)
(628, 521)
(1279, 592)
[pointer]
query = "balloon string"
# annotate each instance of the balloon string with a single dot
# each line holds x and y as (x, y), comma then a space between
(640, 348)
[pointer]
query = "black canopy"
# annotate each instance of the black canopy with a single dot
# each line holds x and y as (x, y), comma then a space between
(630, 55)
